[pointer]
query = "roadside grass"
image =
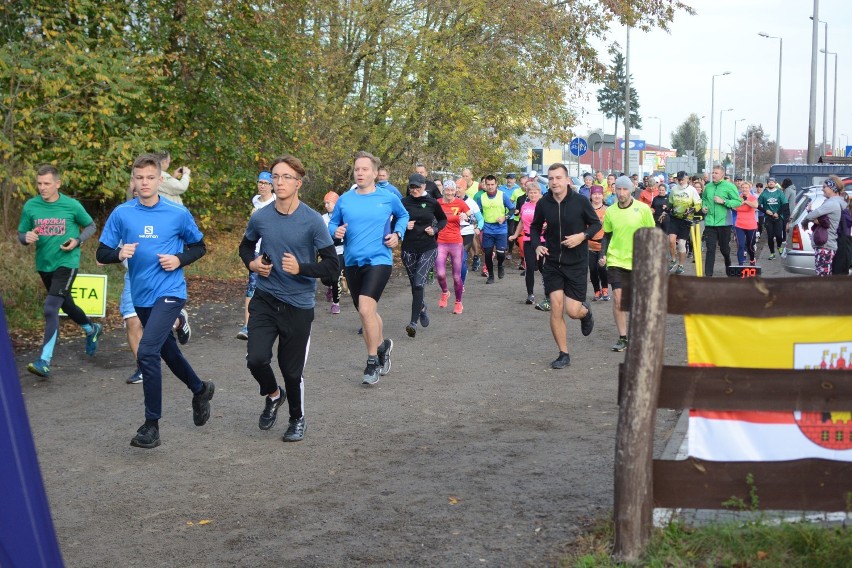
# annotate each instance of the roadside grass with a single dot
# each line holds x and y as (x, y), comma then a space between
(23, 292)
(741, 545)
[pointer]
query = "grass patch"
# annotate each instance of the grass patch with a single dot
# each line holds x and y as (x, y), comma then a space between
(23, 292)
(741, 545)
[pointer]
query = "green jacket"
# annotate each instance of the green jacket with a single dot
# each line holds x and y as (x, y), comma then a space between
(719, 214)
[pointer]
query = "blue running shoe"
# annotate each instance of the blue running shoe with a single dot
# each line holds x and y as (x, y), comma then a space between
(92, 339)
(40, 368)
(424, 318)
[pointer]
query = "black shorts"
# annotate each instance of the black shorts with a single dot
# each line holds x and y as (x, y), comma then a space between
(679, 227)
(617, 277)
(367, 280)
(59, 282)
(467, 241)
(572, 279)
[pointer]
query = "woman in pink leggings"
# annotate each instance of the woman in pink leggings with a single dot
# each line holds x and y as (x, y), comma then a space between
(450, 244)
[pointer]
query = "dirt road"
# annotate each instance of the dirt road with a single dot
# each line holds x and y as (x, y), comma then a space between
(471, 452)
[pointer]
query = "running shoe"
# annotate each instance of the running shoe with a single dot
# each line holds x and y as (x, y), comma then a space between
(458, 308)
(270, 411)
(295, 430)
(530, 300)
(605, 295)
(371, 372)
(201, 404)
(92, 339)
(501, 272)
(384, 353)
(587, 322)
(329, 294)
(679, 269)
(597, 296)
(147, 436)
(442, 302)
(335, 308)
(672, 264)
(772, 256)
(474, 266)
(620, 345)
(543, 306)
(489, 280)
(484, 273)
(561, 362)
(424, 318)
(360, 331)
(40, 368)
(184, 332)
(411, 329)
(135, 378)
(522, 266)
(243, 333)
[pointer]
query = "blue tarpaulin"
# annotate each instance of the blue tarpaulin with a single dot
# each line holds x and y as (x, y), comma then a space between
(27, 536)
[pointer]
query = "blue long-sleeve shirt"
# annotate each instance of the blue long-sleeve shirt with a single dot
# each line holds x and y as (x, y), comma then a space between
(368, 221)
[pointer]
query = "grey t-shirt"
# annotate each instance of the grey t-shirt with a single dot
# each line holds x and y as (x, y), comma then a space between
(301, 233)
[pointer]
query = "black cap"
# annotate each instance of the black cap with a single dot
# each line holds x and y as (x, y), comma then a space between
(416, 179)
(681, 174)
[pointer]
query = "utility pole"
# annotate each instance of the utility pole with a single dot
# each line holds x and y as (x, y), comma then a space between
(812, 158)
(627, 106)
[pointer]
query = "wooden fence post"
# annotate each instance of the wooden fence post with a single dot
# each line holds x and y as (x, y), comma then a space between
(649, 283)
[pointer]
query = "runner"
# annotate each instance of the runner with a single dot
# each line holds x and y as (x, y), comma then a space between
(470, 231)
(58, 225)
(159, 238)
(495, 206)
(450, 243)
(620, 223)
(361, 219)
(290, 235)
(522, 232)
(597, 273)
(263, 198)
(334, 284)
(419, 249)
(571, 221)
(683, 202)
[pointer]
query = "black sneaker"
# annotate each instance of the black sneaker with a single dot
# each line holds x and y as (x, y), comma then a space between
(201, 404)
(384, 353)
(270, 411)
(296, 430)
(490, 280)
(135, 378)
(561, 362)
(587, 322)
(371, 372)
(147, 436)
(411, 330)
(620, 345)
(530, 300)
(184, 332)
(501, 272)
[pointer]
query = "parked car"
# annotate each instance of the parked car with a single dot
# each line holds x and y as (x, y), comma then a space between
(799, 256)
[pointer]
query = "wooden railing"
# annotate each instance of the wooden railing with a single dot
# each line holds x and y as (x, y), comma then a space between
(642, 483)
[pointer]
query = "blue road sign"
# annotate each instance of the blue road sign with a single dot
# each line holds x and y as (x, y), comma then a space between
(578, 146)
(634, 144)
(849, 151)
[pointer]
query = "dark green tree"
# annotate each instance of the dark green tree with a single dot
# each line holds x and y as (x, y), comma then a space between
(689, 136)
(611, 95)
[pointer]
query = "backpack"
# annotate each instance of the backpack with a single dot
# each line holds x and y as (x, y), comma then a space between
(844, 228)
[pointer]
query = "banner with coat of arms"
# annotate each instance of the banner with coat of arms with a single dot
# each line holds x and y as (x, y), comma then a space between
(769, 343)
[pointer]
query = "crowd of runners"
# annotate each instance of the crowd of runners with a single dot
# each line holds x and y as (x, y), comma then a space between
(446, 228)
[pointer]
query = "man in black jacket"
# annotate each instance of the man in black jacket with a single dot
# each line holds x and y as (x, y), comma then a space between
(571, 221)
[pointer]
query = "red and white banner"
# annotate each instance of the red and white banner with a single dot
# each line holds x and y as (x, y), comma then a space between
(798, 343)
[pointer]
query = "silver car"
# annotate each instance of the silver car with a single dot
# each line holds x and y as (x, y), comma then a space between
(799, 258)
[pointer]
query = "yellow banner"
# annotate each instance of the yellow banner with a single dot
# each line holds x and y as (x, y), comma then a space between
(89, 293)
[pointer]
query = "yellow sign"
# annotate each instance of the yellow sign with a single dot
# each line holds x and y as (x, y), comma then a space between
(89, 293)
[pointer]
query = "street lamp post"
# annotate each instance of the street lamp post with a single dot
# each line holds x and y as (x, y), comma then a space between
(824, 79)
(778, 117)
(834, 112)
(721, 114)
(735, 145)
(812, 109)
(713, 112)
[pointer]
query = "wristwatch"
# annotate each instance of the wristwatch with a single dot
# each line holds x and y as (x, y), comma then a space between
(398, 235)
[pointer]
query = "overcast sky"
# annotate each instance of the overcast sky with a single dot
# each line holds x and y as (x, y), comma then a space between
(672, 72)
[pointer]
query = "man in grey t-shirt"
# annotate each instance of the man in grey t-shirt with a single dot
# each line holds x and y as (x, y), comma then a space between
(282, 308)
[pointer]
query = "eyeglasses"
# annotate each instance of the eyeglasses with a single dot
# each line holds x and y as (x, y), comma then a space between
(285, 177)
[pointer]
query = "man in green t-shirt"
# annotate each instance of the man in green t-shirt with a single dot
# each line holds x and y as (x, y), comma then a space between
(58, 225)
(620, 222)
